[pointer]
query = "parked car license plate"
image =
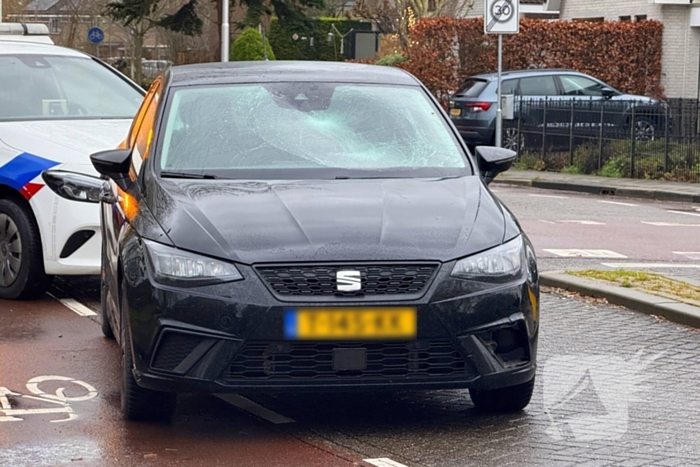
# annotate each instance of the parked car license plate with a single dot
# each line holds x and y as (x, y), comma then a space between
(350, 323)
(455, 112)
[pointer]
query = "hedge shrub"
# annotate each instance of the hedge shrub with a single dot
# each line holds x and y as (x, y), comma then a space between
(249, 46)
(287, 48)
(626, 55)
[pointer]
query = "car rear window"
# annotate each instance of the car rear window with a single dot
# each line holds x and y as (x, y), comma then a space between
(293, 125)
(472, 88)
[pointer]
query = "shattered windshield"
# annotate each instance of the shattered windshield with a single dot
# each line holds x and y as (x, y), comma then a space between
(226, 130)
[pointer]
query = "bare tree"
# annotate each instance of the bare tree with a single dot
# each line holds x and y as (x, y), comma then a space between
(396, 16)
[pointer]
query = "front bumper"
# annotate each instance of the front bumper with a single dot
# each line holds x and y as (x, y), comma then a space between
(70, 234)
(229, 338)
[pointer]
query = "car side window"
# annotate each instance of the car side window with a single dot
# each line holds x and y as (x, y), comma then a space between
(538, 86)
(580, 86)
(143, 127)
(509, 86)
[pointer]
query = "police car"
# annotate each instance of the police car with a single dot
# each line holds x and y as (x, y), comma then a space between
(57, 106)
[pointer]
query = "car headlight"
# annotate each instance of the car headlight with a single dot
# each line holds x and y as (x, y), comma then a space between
(177, 267)
(500, 263)
(74, 186)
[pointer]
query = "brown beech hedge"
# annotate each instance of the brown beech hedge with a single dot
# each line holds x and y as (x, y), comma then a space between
(626, 55)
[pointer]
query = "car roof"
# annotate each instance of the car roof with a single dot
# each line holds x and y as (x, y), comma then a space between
(277, 71)
(11, 47)
(524, 73)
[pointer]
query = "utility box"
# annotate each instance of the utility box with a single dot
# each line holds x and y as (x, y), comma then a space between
(508, 106)
(365, 44)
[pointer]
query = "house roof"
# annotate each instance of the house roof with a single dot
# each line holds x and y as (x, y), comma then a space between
(40, 5)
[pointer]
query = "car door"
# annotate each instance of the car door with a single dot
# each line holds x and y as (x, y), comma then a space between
(119, 206)
(536, 95)
(586, 96)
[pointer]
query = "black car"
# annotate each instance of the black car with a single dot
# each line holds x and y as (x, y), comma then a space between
(556, 99)
(299, 226)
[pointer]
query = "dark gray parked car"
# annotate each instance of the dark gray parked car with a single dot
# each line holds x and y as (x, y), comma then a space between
(557, 99)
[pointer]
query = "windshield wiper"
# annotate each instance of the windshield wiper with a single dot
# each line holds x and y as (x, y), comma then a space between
(167, 174)
(378, 177)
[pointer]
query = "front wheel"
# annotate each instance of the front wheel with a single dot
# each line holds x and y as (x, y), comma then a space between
(22, 273)
(644, 130)
(139, 403)
(509, 399)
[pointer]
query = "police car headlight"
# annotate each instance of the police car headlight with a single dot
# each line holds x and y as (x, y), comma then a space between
(73, 186)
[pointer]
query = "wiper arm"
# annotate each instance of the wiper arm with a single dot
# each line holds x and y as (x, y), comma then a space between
(168, 174)
(378, 177)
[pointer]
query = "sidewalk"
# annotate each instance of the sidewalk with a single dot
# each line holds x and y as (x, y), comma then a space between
(623, 187)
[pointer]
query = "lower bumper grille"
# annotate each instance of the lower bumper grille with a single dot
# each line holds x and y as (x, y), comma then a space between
(290, 361)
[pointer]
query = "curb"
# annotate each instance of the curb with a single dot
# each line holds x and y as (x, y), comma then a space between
(602, 190)
(672, 310)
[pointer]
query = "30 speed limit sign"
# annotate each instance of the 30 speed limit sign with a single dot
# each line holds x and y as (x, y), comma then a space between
(502, 17)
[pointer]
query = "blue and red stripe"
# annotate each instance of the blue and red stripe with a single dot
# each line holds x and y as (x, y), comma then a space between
(19, 172)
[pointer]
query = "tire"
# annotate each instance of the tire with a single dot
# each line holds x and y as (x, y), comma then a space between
(503, 400)
(137, 403)
(106, 326)
(513, 140)
(22, 273)
(645, 129)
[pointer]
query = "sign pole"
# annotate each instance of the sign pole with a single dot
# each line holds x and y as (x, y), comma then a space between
(225, 31)
(499, 112)
(501, 17)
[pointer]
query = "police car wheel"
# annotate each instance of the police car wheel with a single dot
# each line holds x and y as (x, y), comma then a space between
(21, 262)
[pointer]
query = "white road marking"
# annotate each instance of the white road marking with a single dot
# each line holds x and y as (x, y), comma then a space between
(577, 253)
(686, 213)
(384, 462)
(618, 203)
(670, 224)
(550, 196)
(547, 222)
(583, 222)
(688, 254)
(652, 265)
(75, 306)
(254, 408)
(33, 387)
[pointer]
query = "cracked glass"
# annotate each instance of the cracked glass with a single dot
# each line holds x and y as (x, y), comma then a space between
(219, 130)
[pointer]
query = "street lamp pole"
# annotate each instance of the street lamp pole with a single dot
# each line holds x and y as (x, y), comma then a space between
(225, 32)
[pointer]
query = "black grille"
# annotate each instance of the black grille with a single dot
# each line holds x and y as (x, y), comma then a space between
(173, 348)
(289, 361)
(320, 280)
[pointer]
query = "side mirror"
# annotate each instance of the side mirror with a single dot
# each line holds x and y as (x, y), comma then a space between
(493, 161)
(608, 92)
(114, 164)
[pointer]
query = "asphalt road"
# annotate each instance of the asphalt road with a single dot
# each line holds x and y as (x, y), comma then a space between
(648, 235)
(614, 387)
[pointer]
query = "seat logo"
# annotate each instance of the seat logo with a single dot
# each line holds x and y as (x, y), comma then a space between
(348, 281)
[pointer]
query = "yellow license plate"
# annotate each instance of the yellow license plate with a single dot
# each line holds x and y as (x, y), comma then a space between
(350, 323)
(455, 112)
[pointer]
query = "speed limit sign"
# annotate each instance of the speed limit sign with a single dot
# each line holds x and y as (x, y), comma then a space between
(502, 17)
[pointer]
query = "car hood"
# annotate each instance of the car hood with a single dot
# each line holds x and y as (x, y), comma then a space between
(329, 220)
(65, 141)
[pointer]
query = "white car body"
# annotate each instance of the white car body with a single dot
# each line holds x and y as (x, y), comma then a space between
(27, 148)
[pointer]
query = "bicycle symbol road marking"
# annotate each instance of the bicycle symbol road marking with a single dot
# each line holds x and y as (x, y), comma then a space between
(58, 398)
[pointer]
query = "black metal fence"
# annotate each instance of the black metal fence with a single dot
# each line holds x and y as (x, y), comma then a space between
(611, 137)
